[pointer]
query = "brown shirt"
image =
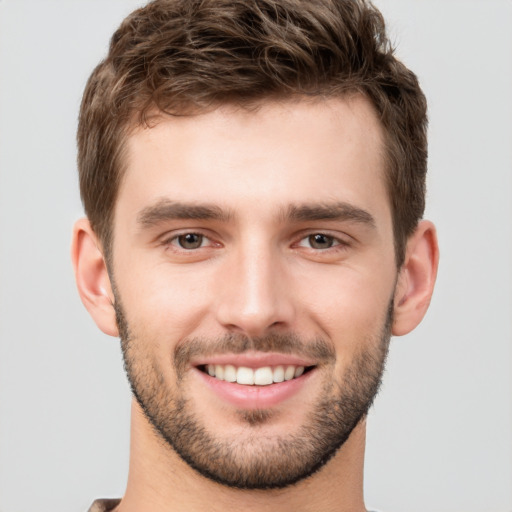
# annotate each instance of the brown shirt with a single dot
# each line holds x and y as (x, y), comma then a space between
(104, 505)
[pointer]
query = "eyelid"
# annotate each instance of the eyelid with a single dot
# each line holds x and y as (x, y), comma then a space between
(339, 239)
(169, 238)
(203, 241)
(305, 242)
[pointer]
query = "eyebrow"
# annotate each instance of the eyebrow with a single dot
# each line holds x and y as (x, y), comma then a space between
(165, 210)
(339, 211)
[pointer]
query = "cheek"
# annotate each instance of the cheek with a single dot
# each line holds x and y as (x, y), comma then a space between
(165, 304)
(351, 309)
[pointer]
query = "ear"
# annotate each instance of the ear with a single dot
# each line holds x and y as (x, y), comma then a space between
(416, 279)
(92, 278)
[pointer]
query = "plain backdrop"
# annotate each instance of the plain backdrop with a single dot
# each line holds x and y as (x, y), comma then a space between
(440, 434)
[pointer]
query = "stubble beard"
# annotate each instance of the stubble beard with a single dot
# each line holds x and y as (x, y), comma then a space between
(255, 461)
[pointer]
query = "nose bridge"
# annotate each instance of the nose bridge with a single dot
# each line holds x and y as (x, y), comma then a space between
(253, 296)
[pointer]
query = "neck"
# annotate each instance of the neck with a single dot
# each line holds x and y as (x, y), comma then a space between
(160, 481)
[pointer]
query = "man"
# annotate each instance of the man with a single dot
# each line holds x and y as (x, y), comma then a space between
(253, 176)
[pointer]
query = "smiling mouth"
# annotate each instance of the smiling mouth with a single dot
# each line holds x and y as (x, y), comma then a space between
(263, 376)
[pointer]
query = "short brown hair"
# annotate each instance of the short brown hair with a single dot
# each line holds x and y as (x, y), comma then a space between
(183, 56)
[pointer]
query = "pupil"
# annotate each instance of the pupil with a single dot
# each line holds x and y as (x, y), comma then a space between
(320, 241)
(190, 241)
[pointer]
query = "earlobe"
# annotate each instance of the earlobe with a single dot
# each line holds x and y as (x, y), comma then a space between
(416, 279)
(92, 278)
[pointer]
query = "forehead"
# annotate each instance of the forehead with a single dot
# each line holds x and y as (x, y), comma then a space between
(265, 158)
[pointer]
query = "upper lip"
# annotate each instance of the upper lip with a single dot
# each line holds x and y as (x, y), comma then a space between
(254, 360)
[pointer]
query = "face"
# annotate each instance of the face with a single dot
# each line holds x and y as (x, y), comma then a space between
(254, 272)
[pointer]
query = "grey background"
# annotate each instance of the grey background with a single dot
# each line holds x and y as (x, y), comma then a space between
(440, 434)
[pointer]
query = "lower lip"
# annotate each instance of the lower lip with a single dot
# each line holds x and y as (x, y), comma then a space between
(255, 397)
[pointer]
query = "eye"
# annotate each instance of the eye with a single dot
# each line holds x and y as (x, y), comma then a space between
(319, 241)
(190, 241)
(187, 246)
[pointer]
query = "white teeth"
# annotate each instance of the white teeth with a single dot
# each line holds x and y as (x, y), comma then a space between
(299, 371)
(219, 371)
(229, 373)
(289, 373)
(278, 374)
(263, 376)
(245, 375)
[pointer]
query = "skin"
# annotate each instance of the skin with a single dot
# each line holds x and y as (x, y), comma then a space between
(255, 273)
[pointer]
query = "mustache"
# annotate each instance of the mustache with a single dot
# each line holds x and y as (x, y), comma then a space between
(317, 349)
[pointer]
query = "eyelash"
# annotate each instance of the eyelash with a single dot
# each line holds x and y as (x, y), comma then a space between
(174, 241)
(313, 238)
(336, 243)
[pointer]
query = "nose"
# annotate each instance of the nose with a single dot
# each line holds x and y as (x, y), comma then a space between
(255, 292)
